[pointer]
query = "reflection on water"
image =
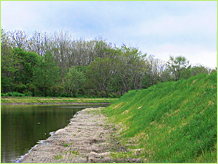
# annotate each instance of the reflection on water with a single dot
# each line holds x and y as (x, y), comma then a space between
(23, 126)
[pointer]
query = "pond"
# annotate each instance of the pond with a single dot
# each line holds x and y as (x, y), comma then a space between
(22, 126)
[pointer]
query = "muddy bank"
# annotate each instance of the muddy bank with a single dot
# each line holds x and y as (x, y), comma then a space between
(86, 139)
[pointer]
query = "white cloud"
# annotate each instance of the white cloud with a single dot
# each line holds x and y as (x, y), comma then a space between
(21, 16)
(186, 24)
(194, 53)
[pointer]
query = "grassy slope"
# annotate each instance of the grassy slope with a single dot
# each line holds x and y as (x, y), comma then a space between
(56, 100)
(169, 122)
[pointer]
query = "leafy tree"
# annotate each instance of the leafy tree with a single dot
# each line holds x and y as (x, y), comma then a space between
(28, 61)
(130, 68)
(100, 74)
(46, 74)
(179, 66)
(153, 72)
(9, 68)
(9, 63)
(74, 81)
(199, 69)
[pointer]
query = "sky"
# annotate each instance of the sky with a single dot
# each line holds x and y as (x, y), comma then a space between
(158, 28)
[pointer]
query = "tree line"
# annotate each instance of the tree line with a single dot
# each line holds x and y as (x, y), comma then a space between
(57, 65)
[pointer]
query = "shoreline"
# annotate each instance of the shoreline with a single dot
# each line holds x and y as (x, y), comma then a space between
(53, 100)
(73, 103)
(84, 140)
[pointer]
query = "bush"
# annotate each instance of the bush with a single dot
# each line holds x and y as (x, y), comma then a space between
(65, 95)
(20, 88)
(38, 93)
(114, 95)
(4, 94)
(27, 93)
(13, 94)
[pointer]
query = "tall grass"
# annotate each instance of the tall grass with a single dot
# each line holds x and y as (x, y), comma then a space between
(170, 122)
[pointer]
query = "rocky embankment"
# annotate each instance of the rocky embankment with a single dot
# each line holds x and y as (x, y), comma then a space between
(85, 139)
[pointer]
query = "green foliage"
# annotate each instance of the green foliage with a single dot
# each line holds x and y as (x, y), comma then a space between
(27, 61)
(100, 73)
(80, 68)
(171, 121)
(9, 67)
(58, 157)
(75, 152)
(74, 81)
(20, 87)
(14, 94)
(179, 66)
(65, 144)
(199, 70)
(46, 74)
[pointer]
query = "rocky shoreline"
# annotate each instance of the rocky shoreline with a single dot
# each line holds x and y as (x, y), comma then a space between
(85, 140)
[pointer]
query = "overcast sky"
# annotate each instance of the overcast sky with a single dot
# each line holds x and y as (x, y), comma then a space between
(159, 28)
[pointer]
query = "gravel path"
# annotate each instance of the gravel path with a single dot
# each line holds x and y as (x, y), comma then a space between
(84, 140)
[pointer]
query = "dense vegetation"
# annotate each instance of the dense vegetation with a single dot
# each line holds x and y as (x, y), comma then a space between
(56, 65)
(169, 122)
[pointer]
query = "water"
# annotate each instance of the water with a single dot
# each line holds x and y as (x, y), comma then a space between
(23, 126)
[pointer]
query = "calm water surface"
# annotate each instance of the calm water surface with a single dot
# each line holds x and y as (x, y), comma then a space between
(23, 126)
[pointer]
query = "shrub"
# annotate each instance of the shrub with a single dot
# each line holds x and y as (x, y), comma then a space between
(13, 94)
(27, 93)
(20, 87)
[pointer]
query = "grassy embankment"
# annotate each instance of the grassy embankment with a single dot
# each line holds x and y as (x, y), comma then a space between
(55, 100)
(169, 122)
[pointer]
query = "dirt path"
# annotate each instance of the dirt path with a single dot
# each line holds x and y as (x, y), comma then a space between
(84, 140)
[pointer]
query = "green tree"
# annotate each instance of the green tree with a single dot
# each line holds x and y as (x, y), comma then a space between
(9, 68)
(46, 74)
(74, 81)
(179, 66)
(9, 64)
(101, 74)
(28, 61)
(17, 68)
(199, 69)
(130, 68)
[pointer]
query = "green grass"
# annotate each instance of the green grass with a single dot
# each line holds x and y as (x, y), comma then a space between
(66, 144)
(169, 122)
(56, 100)
(58, 157)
